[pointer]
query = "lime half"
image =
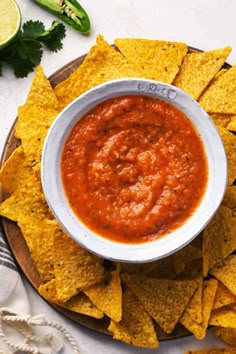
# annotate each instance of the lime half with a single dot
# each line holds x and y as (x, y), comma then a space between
(10, 21)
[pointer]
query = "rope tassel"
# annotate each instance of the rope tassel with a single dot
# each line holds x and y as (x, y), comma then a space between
(24, 324)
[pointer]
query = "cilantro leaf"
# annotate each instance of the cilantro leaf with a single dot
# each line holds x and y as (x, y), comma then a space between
(52, 38)
(32, 29)
(26, 51)
(20, 67)
(30, 50)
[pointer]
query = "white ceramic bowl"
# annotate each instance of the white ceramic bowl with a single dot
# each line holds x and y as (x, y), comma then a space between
(167, 244)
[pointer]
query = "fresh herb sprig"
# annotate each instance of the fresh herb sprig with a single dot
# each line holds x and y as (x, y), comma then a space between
(26, 50)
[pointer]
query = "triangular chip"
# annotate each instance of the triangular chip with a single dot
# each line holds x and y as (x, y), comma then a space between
(198, 69)
(75, 268)
(229, 140)
(102, 63)
(107, 296)
(232, 124)
(223, 317)
(158, 60)
(36, 116)
(39, 236)
(199, 329)
(227, 335)
(221, 119)
(41, 94)
(136, 326)
(26, 202)
(193, 271)
(220, 95)
(223, 297)
(219, 239)
(79, 303)
(230, 197)
(14, 171)
(225, 272)
(164, 300)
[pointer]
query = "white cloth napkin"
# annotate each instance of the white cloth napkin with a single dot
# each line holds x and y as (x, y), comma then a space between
(19, 331)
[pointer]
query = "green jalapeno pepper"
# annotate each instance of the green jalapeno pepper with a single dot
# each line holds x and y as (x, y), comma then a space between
(69, 11)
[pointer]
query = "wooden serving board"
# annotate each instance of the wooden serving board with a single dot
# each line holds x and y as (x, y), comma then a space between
(19, 247)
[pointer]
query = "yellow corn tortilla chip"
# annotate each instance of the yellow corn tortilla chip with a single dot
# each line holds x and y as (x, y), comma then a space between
(164, 300)
(14, 171)
(32, 128)
(223, 297)
(198, 69)
(193, 271)
(136, 326)
(229, 140)
(227, 335)
(225, 272)
(213, 351)
(199, 329)
(223, 317)
(79, 303)
(41, 94)
(165, 268)
(36, 116)
(221, 119)
(26, 202)
(75, 268)
(102, 63)
(230, 197)
(220, 95)
(107, 296)
(158, 60)
(194, 308)
(218, 238)
(39, 236)
(232, 124)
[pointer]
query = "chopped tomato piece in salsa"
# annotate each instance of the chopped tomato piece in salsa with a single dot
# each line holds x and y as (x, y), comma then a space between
(134, 168)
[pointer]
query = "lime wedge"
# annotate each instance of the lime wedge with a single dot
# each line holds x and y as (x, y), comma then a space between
(10, 21)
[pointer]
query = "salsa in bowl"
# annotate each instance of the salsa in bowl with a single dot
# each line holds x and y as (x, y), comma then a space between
(133, 170)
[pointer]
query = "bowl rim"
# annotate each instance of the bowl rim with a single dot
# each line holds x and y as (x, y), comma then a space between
(167, 244)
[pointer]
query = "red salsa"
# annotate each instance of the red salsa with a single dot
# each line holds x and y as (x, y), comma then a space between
(134, 168)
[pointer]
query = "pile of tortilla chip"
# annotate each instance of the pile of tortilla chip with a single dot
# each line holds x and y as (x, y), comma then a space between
(194, 288)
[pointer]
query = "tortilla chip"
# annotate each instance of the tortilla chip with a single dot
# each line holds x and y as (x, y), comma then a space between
(164, 300)
(223, 317)
(230, 197)
(107, 296)
(227, 335)
(26, 202)
(102, 63)
(229, 140)
(158, 60)
(220, 95)
(39, 236)
(199, 329)
(193, 271)
(223, 297)
(219, 239)
(14, 171)
(41, 94)
(221, 119)
(225, 272)
(36, 116)
(213, 351)
(198, 69)
(136, 326)
(232, 124)
(75, 268)
(79, 303)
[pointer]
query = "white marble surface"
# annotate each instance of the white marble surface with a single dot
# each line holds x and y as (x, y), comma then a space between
(204, 24)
